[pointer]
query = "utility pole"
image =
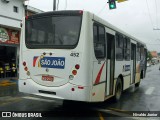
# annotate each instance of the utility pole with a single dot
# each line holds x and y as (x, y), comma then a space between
(54, 5)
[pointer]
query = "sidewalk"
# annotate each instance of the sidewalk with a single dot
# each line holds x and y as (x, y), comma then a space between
(8, 82)
(9, 87)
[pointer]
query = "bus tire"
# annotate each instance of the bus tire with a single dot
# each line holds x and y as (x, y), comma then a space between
(142, 74)
(137, 84)
(118, 90)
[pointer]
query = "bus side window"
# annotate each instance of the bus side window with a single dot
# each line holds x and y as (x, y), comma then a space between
(99, 41)
(126, 49)
(119, 47)
(142, 55)
(138, 52)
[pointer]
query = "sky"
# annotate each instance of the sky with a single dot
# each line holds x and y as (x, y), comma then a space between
(139, 18)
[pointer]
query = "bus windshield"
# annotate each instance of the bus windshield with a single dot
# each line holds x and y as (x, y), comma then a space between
(52, 32)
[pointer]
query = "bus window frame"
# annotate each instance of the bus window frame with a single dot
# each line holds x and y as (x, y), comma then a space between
(120, 45)
(43, 46)
(127, 48)
(104, 42)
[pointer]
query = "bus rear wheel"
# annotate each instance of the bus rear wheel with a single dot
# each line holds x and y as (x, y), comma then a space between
(137, 84)
(118, 90)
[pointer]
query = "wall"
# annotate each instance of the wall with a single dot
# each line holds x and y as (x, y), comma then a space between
(10, 18)
(154, 54)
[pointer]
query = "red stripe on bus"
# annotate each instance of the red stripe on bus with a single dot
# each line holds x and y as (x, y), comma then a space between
(34, 61)
(99, 74)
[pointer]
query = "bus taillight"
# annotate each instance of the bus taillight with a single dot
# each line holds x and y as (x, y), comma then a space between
(71, 77)
(77, 66)
(81, 12)
(80, 87)
(28, 73)
(24, 63)
(26, 17)
(74, 72)
(26, 69)
(72, 89)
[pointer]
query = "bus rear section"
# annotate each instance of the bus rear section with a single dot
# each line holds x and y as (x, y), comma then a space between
(52, 61)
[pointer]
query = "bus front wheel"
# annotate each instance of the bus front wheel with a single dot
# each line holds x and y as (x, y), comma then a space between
(118, 90)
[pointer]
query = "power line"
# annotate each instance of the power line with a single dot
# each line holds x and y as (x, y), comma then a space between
(149, 13)
(151, 18)
(101, 9)
(156, 14)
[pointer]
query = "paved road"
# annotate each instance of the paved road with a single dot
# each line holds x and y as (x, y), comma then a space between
(144, 98)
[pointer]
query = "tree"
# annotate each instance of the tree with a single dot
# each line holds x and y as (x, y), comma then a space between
(149, 55)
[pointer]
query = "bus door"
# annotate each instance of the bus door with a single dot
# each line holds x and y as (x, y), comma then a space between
(111, 64)
(133, 63)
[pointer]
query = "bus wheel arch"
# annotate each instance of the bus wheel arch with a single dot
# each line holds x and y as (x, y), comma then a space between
(122, 80)
(118, 88)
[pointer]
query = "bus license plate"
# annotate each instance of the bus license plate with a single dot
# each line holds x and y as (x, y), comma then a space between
(48, 78)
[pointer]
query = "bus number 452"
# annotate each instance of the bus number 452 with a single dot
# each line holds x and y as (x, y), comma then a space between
(74, 54)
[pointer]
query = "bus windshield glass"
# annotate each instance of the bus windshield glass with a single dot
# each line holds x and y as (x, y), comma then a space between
(53, 32)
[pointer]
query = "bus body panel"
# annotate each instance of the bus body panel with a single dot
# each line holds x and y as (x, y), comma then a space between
(53, 73)
(98, 93)
(98, 71)
(99, 81)
(60, 75)
(61, 92)
(108, 75)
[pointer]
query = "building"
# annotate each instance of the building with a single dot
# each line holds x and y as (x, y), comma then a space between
(11, 14)
(31, 10)
(154, 54)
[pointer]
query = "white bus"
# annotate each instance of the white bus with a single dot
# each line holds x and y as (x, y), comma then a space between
(77, 56)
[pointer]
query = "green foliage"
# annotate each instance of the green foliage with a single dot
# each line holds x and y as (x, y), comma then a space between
(149, 55)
